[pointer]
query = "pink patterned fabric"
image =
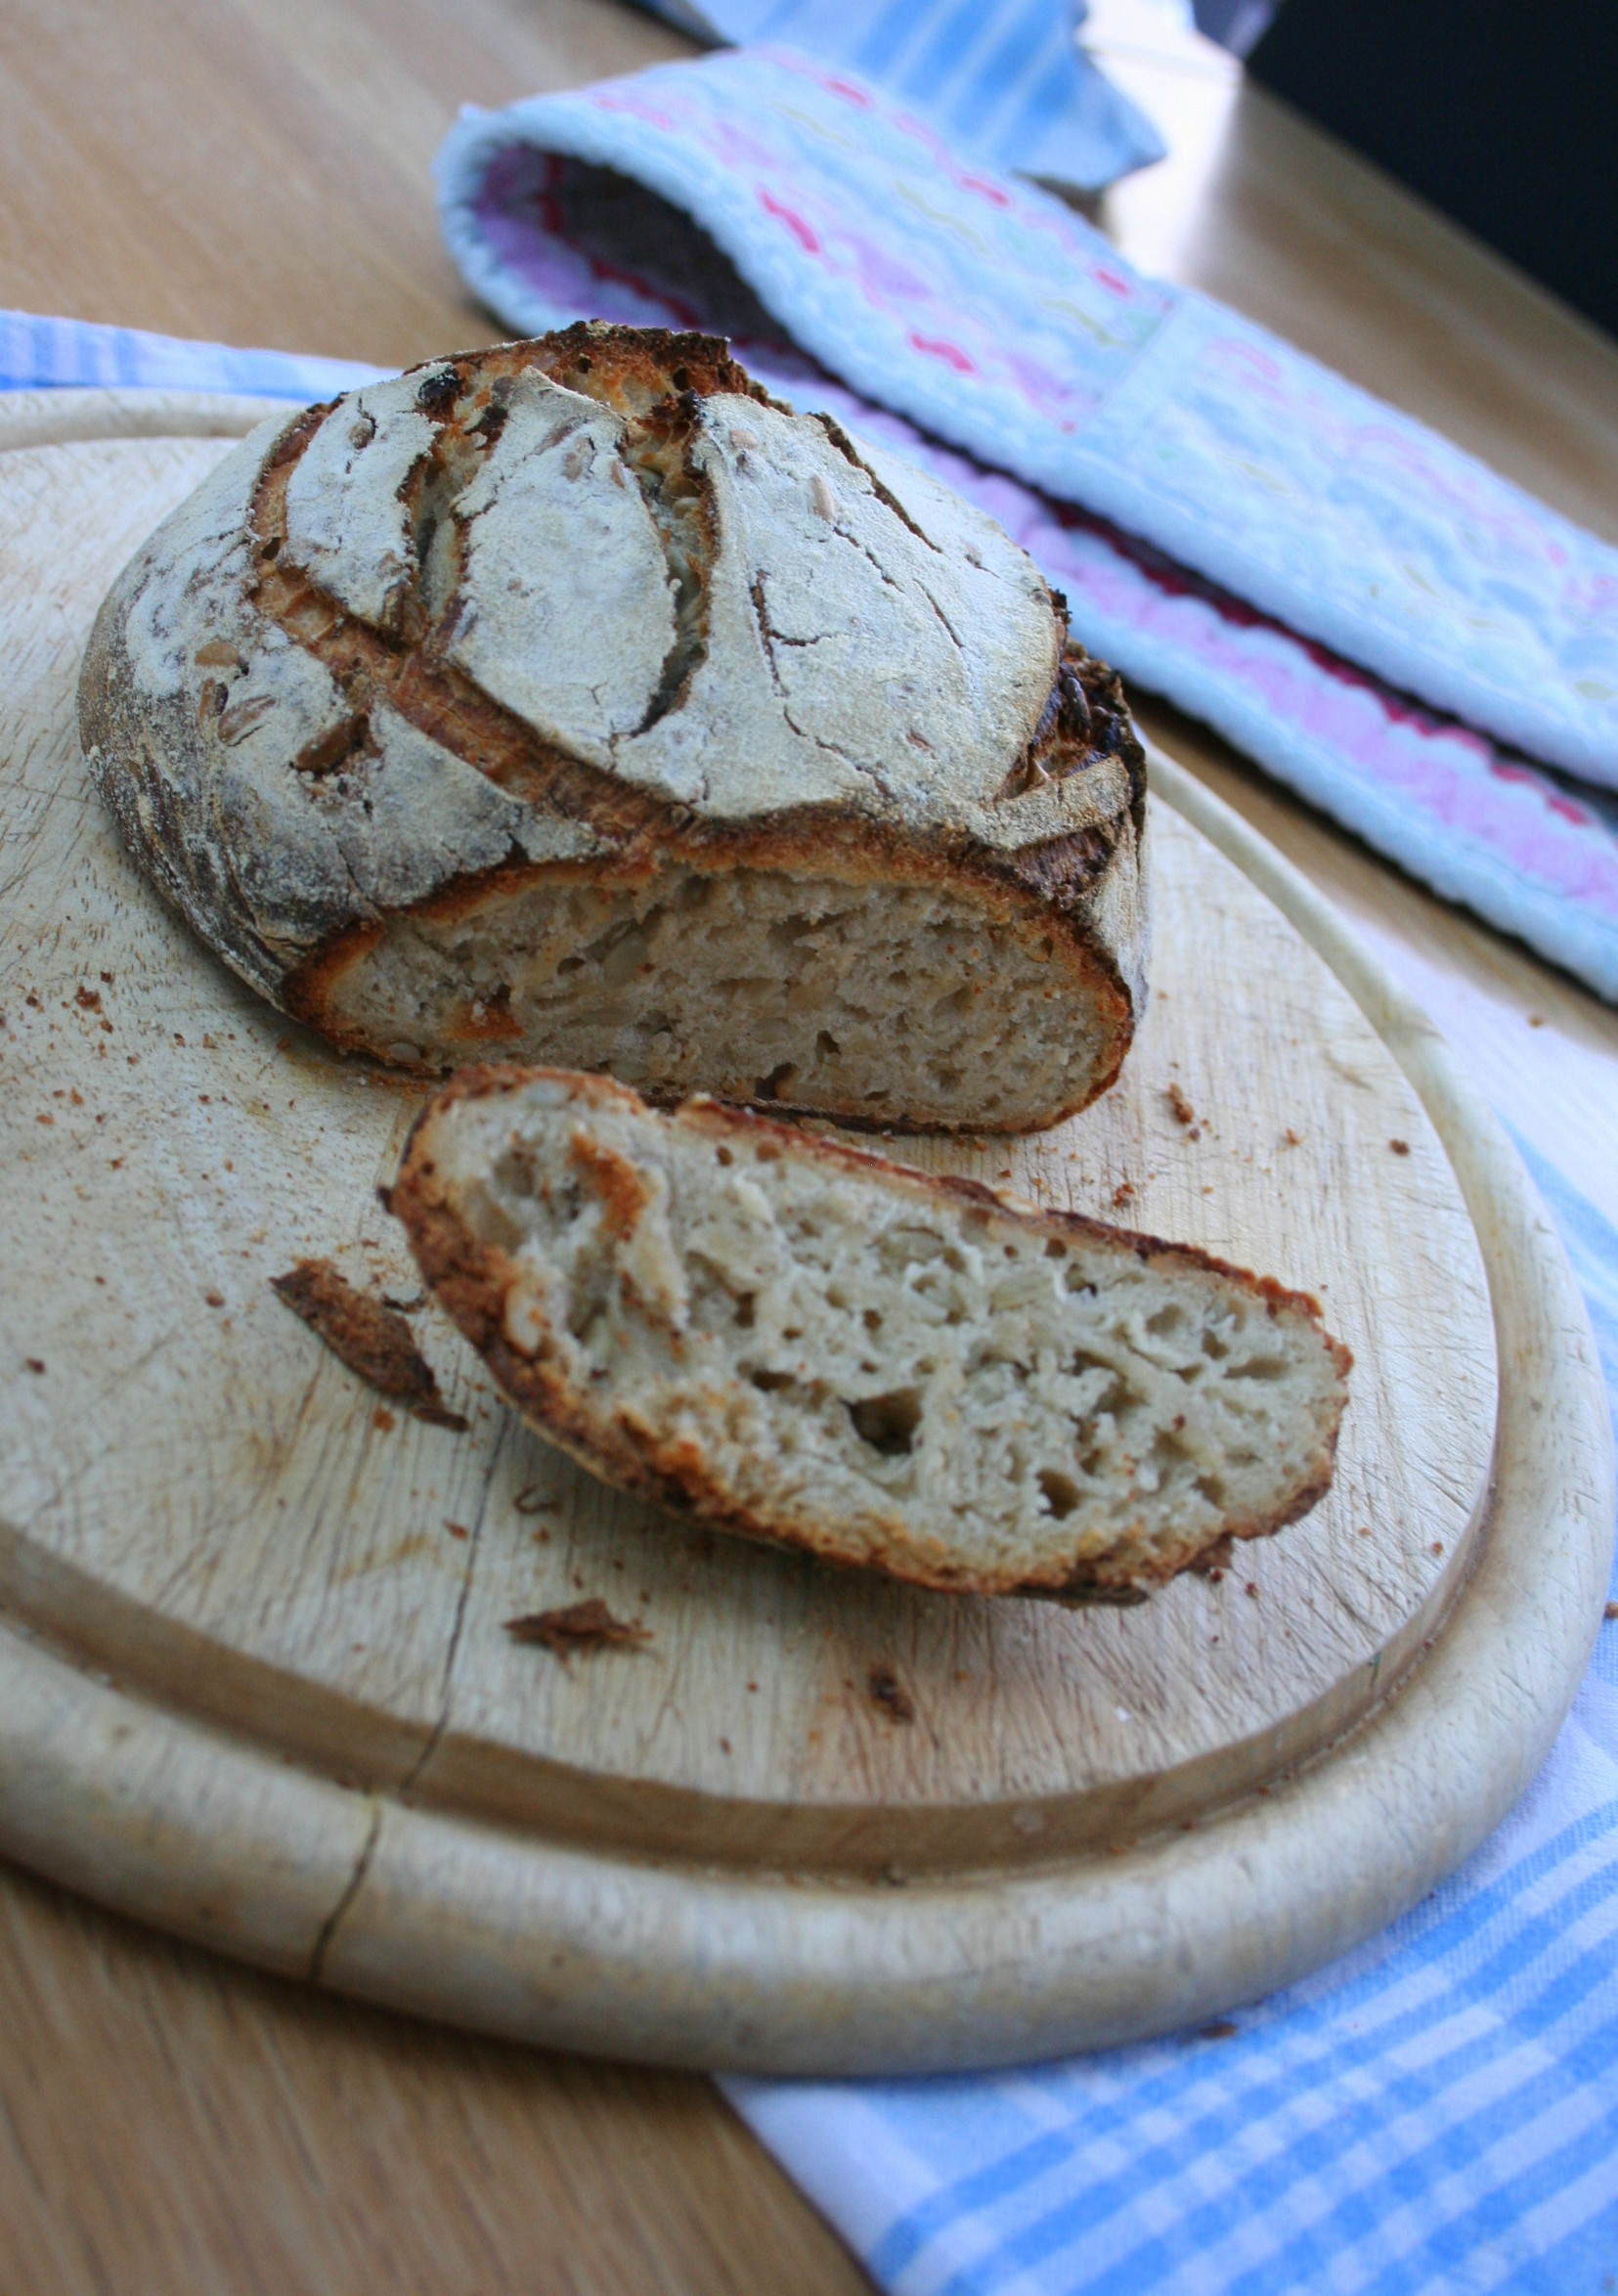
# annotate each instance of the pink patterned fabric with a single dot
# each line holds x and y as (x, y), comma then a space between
(1482, 825)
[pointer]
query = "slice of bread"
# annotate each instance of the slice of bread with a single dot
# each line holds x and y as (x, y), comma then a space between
(808, 1344)
(573, 701)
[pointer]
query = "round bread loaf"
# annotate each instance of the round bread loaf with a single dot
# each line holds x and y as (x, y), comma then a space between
(576, 699)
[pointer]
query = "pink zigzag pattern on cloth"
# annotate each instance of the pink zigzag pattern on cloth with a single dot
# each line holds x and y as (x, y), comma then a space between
(1480, 822)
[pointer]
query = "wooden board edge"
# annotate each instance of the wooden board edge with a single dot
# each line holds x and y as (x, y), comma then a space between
(62, 418)
(449, 1919)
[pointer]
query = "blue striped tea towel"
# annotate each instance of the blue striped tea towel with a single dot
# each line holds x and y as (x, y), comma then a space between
(1004, 77)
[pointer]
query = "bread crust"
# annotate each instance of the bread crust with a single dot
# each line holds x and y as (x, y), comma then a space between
(276, 700)
(471, 1278)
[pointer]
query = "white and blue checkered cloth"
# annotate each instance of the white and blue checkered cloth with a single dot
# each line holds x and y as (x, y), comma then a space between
(1003, 77)
(1437, 2113)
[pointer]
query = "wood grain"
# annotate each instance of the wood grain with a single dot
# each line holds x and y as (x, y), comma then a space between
(246, 2136)
(231, 204)
(319, 1750)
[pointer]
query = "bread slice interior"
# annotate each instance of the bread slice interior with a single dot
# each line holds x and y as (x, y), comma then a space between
(805, 1343)
(881, 1001)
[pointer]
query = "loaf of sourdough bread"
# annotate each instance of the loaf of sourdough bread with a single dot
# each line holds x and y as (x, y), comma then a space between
(575, 698)
(808, 1344)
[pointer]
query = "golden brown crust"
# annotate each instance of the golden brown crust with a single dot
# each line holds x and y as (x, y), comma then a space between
(470, 1279)
(292, 920)
(368, 1336)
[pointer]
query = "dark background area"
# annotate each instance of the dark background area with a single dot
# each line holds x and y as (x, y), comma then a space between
(1501, 113)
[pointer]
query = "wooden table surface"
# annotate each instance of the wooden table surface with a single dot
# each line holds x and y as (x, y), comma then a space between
(258, 171)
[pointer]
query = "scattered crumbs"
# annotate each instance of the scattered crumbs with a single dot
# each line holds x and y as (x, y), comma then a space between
(214, 1299)
(45, 1119)
(32, 999)
(457, 1530)
(725, 1745)
(1252, 1588)
(1400, 1147)
(1183, 1111)
(107, 979)
(373, 1340)
(751, 1686)
(1004, 1174)
(1536, 1020)
(1220, 2030)
(178, 1038)
(888, 1694)
(1609, 1610)
(1438, 1546)
(1364, 1530)
(1291, 1139)
(33, 1364)
(114, 1163)
(1122, 1194)
(383, 1419)
(580, 1626)
(87, 999)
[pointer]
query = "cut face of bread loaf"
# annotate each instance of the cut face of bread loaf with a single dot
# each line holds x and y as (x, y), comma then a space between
(807, 1344)
(575, 698)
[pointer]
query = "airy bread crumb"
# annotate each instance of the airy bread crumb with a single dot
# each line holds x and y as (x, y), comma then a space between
(808, 1345)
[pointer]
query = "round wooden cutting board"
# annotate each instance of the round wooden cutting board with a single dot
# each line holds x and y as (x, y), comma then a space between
(255, 1682)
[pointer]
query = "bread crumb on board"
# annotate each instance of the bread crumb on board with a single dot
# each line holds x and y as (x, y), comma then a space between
(1183, 1111)
(579, 1626)
(888, 1694)
(370, 1337)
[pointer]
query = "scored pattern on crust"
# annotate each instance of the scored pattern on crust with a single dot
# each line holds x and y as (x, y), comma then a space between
(314, 707)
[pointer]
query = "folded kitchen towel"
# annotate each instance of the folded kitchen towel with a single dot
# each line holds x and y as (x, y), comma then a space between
(40, 353)
(1006, 78)
(772, 157)
(993, 317)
